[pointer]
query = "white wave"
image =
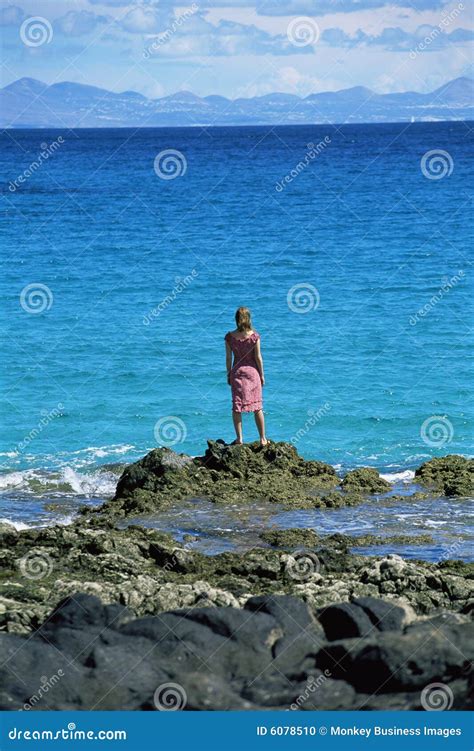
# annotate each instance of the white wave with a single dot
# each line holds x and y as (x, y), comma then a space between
(67, 481)
(405, 476)
(64, 521)
(11, 480)
(94, 484)
(17, 525)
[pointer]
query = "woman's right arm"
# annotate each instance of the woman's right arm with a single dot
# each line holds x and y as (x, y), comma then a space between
(228, 360)
(259, 361)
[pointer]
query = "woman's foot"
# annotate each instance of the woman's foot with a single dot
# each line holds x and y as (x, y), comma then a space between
(263, 442)
(237, 443)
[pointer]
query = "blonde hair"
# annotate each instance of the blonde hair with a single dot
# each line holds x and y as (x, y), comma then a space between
(243, 319)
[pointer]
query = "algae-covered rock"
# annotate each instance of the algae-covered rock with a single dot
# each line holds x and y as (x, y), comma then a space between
(225, 474)
(365, 480)
(453, 475)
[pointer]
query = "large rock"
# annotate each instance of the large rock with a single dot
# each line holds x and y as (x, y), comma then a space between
(452, 475)
(225, 474)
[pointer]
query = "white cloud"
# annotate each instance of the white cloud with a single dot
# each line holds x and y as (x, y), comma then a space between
(79, 23)
(145, 21)
(11, 15)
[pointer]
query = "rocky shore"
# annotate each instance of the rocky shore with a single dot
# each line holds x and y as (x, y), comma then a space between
(297, 623)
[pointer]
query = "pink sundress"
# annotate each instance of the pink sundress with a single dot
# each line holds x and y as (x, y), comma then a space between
(245, 378)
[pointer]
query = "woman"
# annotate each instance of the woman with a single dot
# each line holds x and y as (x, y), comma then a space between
(245, 374)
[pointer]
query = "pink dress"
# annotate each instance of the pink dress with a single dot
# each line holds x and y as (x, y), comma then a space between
(245, 378)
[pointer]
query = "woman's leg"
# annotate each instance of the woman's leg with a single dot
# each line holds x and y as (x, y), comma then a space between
(260, 423)
(237, 418)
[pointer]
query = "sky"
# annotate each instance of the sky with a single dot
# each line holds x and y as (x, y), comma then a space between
(238, 48)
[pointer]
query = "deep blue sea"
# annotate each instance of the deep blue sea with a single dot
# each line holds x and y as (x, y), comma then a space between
(350, 244)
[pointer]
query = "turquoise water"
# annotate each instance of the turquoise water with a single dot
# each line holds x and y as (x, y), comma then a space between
(143, 275)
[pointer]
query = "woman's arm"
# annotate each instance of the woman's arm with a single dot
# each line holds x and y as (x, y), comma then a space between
(228, 360)
(259, 361)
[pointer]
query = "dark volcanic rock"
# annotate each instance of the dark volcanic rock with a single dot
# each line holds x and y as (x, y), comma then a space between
(393, 661)
(452, 475)
(272, 654)
(384, 615)
(344, 620)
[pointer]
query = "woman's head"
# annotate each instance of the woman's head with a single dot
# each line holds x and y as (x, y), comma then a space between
(243, 319)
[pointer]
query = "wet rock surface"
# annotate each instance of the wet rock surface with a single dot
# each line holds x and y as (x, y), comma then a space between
(271, 654)
(149, 572)
(122, 611)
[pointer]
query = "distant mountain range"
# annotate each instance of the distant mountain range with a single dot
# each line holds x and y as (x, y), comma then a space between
(28, 103)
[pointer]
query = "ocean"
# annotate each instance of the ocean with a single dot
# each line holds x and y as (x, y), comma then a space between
(127, 251)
